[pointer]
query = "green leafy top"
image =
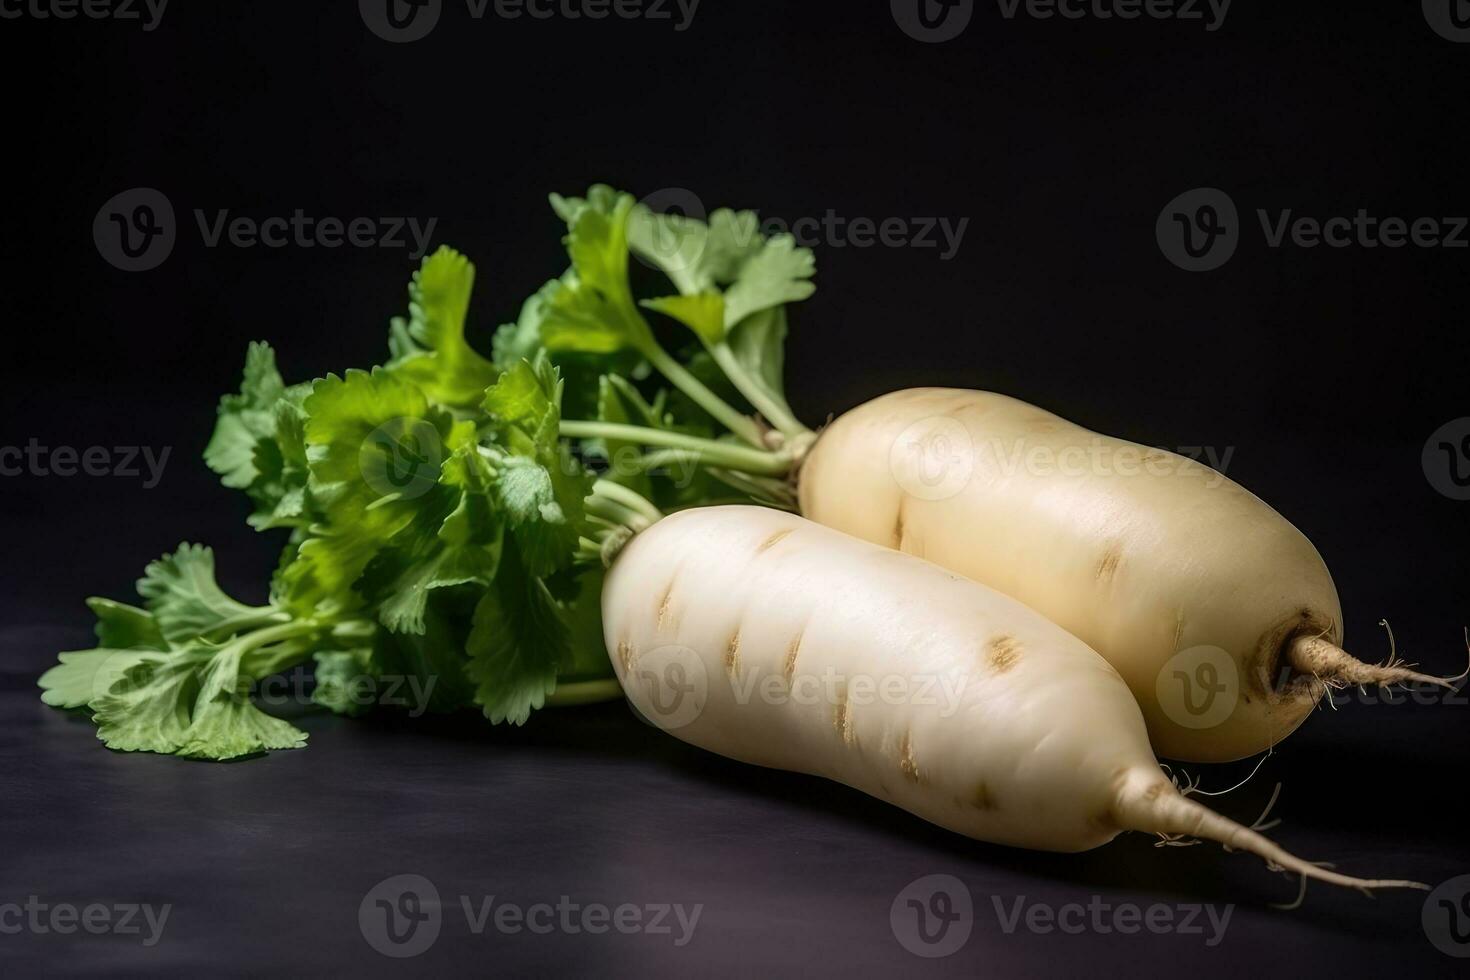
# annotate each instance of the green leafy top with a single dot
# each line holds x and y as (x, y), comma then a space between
(445, 522)
(591, 308)
(258, 445)
(429, 348)
(435, 522)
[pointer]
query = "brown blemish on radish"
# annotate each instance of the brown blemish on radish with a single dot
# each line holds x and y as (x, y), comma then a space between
(906, 759)
(842, 719)
(1120, 776)
(774, 540)
(732, 654)
(898, 528)
(1107, 566)
(788, 665)
(964, 407)
(664, 613)
(1003, 652)
(625, 655)
(983, 799)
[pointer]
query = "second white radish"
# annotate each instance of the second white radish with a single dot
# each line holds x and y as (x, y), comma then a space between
(933, 692)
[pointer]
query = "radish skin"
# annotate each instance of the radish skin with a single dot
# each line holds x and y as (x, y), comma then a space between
(1037, 742)
(1141, 553)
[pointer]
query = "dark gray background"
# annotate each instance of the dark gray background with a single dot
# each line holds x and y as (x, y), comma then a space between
(1326, 370)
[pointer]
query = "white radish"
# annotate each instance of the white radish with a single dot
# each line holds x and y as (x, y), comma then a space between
(1218, 613)
(933, 692)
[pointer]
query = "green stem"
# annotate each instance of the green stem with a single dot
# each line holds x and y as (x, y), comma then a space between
(664, 462)
(257, 663)
(769, 404)
(776, 492)
(616, 514)
(743, 426)
(628, 498)
(584, 692)
(243, 622)
(666, 457)
(355, 630)
(282, 631)
(757, 461)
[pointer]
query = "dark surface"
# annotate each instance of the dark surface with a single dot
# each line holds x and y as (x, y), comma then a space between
(267, 861)
(1323, 370)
